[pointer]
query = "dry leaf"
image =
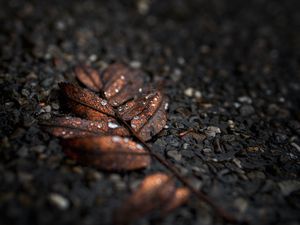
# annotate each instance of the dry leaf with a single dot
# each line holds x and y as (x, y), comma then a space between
(69, 127)
(89, 77)
(113, 153)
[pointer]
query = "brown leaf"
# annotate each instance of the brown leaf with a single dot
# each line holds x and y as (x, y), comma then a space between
(89, 77)
(86, 112)
(147, 114)
(122, 83)
(113, 153)
(154, 192)
(69, 127)
(86, 98)
(180, 197)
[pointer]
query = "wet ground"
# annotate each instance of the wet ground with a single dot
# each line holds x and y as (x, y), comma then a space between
(230, 69)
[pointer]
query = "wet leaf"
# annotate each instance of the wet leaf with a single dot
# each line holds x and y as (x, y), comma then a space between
(122, 83)
(145, 110)
(70, 127)
(86, 112)
(86, 98)
(147, 114)
(113, 153)
(154, 192)
(89, 77)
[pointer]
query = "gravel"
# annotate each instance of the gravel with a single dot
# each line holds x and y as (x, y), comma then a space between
(230, 70)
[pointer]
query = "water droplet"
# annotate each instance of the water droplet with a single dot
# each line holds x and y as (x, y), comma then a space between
(112, 125)
(139, 146)
(166, 106)
(104, 102)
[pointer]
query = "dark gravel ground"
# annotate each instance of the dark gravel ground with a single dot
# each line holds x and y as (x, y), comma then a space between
(231, 70)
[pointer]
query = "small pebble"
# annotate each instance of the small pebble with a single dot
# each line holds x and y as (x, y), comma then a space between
(59, 201)
(289, 186)
(135, 64)
(185, 146)
(189, 92)
(174, 155)
(25, 92)
(246, 110)
(241, 204)
(55, 106)
(93, 58)
(47, 109)
(198, 94)
(245, 99)
(212, 131)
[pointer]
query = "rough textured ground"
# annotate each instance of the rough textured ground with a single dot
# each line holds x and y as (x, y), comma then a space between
(242, 61)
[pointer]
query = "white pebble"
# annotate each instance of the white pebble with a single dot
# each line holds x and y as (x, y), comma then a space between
(135, 64)
(211, 131)
(59, 201)
(166, 106)
(245, 99)
(198, 94)
(93, 58)
(189, 92)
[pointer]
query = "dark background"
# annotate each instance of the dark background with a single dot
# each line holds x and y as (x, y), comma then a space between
(242, 59)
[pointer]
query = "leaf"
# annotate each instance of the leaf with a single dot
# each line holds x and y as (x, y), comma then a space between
(86, 98)
(122, 83)
(154, 192)
(157, 192)
(70, 127)
(147, 114)
(112, 153)
(86, 112)
(146, 111)
(180, 197)
(89, 77)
